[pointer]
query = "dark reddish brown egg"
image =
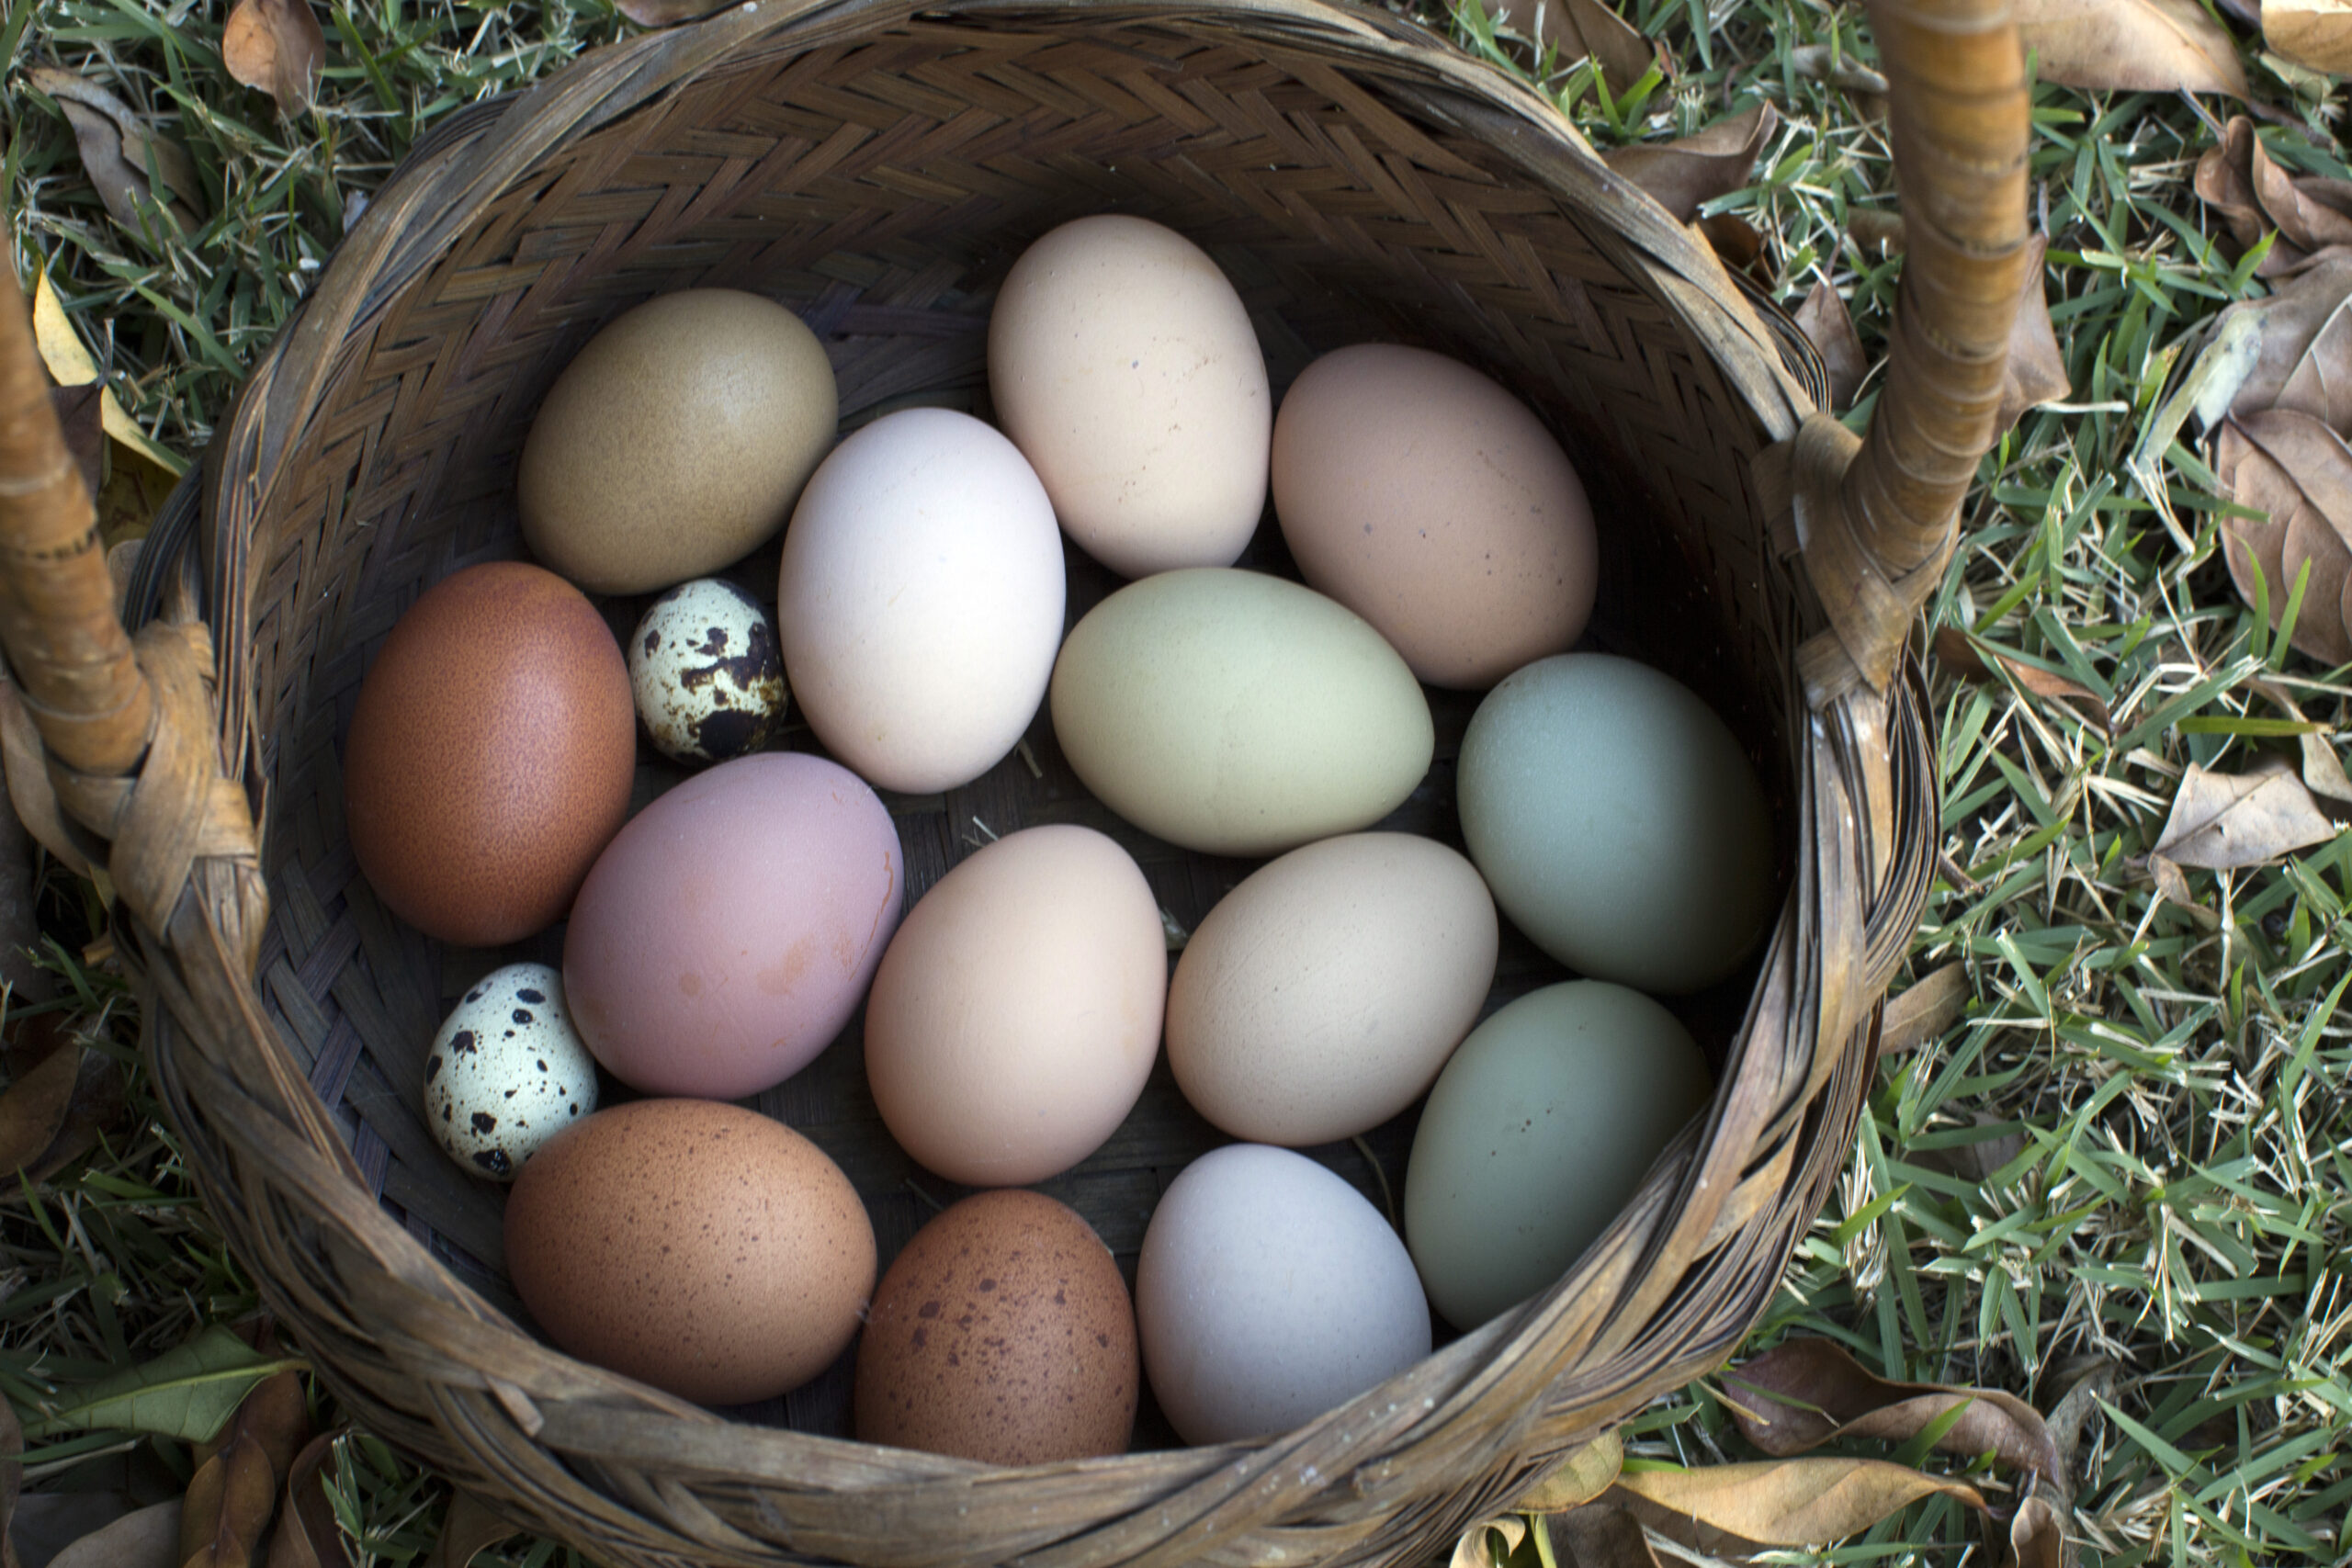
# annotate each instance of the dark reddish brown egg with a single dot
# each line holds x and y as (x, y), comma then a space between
(490, 755)
(1002, 1334)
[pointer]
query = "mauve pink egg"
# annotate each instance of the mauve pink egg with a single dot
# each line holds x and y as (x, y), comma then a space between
(728, 933)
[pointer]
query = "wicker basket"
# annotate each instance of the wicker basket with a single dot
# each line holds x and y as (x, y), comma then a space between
(878, 166)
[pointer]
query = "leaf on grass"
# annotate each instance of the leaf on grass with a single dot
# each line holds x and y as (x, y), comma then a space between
(472, 1526)
(1684, 174)
(2038, 1535)
(2258, 347)
(32, 1111)
(2222, 821)
(69, 365)
(1582, 1476)
(2171, 882)
(2035, 372)
(2297, 473)
(1582, 28)
(145, 178)
(307, 1534)
(233, 1493)
(2322, 769)
(2314, 33)
(1790, 1502)
(1804, 1393)
(1825, 319)
(278, 46)
(1739, 245)
(2079, 1402)
(85, 429)
(1875, 228)
(1603, 1538)
(2140, 46)
(147, 1539)
(2311, 213)
(1964, 656)
(1487, 1544)
(188, 1393)
(1837, 67)
(1920, 1014)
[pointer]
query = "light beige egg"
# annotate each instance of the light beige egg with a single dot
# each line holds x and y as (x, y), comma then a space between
(1239, 713)
(1322, 996)
(1123, 366)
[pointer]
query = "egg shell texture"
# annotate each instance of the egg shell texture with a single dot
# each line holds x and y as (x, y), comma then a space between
(699, 1247)
(919, 600)
(490, 754)
(1003, 1333)
(1620, 825)
(1537, 1134)
(1430, 501)
(675, 441)
(730, 930)
(1017, 1014)
(1123, 366)
(1268, 1292)
(706, 673)
(1239, 713)
(507, 1071)
(1321, 996)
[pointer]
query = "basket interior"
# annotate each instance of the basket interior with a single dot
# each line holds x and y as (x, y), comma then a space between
(881, 186)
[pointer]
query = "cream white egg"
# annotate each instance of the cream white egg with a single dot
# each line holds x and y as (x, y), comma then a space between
(507, 1071)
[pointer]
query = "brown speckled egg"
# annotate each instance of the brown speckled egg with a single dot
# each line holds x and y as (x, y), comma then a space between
(694, 1246)
(1002, 1334)
(490, 755)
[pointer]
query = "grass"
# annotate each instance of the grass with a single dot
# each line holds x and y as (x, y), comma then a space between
(2164, 1089)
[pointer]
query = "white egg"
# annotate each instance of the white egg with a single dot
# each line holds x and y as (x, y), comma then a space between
(507, 1072)
(704, 665)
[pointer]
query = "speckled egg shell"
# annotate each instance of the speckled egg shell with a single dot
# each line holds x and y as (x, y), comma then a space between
(699, 1247)
(1002, 1334)
(708, 681)
(489, 756)
(507, 1071)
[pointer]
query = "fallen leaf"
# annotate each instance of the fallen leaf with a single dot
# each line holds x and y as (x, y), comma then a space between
(233, 1493)
(142, 175)
(2257, 346)
(1683, 175)
(2035, 372)
(33, 1110)
(2221, 821)
(187, 1392)
(2298, 474)
(1965, 656)
(1603, 1537)
(1837, 67)
(472, 1526)
(1825, 320)
(2322, 770)
(2038, 1535)
(308, 1536)
(1923, 1012)
(2139, 46)
(69, 365)
(2311, 213)
(1875, 228)
(2171, 882)
(2316, 33)
(85, 430)
(1738, 243)
(1804, 1393)
(2076, 1406)
(1790, 1502)
(1487, 1544)
(48, 1522)
(1579, 28)
(278, 46)
(95, 1104)
(1582, 1476)
(144, 1539)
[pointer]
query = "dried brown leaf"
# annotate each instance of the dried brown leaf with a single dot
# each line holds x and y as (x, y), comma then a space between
(1487, 1544)
(472, 1526)
(1804, 1393)
(1875, 228)
(1924, 1012)
(2038, 1536)
(1683, 175)
(2239, 179)
(1840, 69)
(1603, 1537)
(32, 1111)
(86, 431)
(2322, 770)
(2076, 1406)
(2289, 328)
(2297, 473)
(307, 1534)
(2171, 882)
(1825, 320)
(2036, 369)
(1579, 28)
(1582, 1476)
(278, 46)
(1790, 1502)
(95, 1104)
(2221, 821)
(146, 1539)
(1964, 656)
(2314, 33)
(1740, 243)
(2140, 46)
(144, 178)
(233, 1493)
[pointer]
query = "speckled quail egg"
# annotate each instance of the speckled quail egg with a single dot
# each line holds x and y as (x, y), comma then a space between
(704, 665)
(507, 1072)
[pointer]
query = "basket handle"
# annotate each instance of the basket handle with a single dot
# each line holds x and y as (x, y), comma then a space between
(1878, 518)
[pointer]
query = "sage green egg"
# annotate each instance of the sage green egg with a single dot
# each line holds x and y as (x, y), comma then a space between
(1618, 822)
(1239, 713)
(1536, 1136)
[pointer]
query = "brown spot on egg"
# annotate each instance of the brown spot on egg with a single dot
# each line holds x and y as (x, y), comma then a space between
(778, 978)
(1039, 1362)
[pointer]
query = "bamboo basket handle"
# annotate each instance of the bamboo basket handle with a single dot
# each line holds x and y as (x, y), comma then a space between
(1878, 517)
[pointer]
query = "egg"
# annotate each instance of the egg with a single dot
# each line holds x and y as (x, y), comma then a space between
(675, 441)
(730, 930)
(1239, 713)
(1321, 996)
(1537, 1134)
(1268, 1292)
(699, 1247)
(1002, 1334)
(704, 668)
(507, 1071)
(1618, 822)
(921, 600)
(1431, 501)
(1017, 1013)
(1123, 366)
(490, 754)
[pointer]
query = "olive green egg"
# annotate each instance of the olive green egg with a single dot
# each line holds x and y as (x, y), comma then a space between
(1618, 822)
(1536, 1136)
